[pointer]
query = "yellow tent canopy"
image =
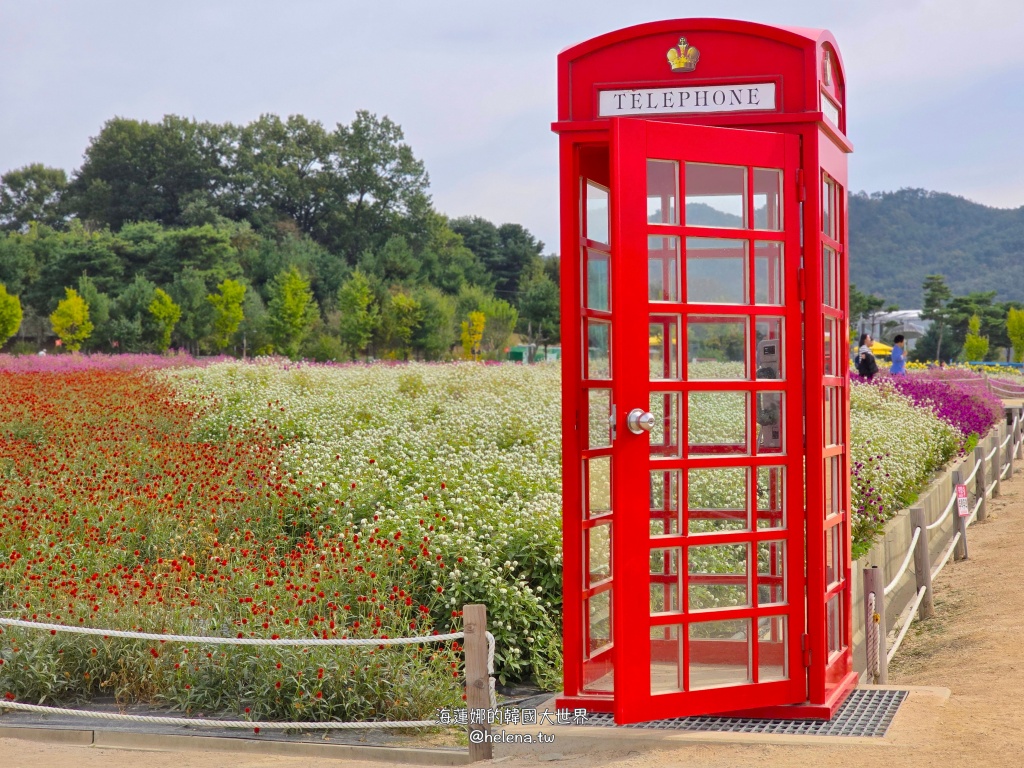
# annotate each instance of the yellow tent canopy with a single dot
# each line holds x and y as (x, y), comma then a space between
(878, 349)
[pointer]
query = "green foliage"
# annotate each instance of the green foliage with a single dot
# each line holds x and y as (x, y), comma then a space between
(358, 314)
(399, 320)
(167, 315)
(10, 314)
(1015, 331)
(71, 320)
(32, 194)
(291, 312)
(539, 310)
(472, 333)
(227, 311)
(975, 345)
(99, 312)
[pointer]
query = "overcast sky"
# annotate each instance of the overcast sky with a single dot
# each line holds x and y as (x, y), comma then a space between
(934, 101)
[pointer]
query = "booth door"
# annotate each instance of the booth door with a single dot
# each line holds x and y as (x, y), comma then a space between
(707, 477)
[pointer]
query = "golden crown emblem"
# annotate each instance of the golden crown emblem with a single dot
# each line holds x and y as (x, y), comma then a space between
(684, 58)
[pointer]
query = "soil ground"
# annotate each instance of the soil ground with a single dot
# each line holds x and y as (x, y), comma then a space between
(973, 648)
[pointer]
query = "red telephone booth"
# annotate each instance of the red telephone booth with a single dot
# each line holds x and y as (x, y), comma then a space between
(704, 296)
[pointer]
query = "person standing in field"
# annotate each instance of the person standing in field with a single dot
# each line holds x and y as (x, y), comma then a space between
(899, 356)
(867, 366)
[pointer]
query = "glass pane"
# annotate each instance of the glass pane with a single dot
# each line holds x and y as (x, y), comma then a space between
(598, 349)
(599, 411)
(829, 278)
(771, 649)
(664, 436)
(665, 580)
(833, 416)
(598, 479)
(717, 422)
(767, 198)
(834, 621)
(834, 565)
(716, 500)
(833, 497)
(768, 332)
(716, 271)
(768, 277)
(598, 272)
(599, 621)
(717, 576)
(719, 653)
(716, 195)
(663, 268)
(664, 347)
(771, 572)
(770, 497)
(599, 553)
(716, 347)
(831, 351)
(662, 191)
(597, 213)
(770, 420)
(664, 502)
(666, 659)
(829, 225)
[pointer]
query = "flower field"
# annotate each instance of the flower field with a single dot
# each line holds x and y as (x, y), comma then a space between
(272, 499)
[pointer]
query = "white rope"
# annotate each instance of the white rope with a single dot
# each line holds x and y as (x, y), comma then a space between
(871, 632)
(1004, 471)
(945, 557)
(906, 562)
(189, 721)
(989, 489)
(294, 641)
(906, 624)
(949, 508)
(490, 669)
(991, 453)
(1007, 440)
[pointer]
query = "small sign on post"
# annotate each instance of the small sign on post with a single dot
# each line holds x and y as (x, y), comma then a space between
(961, 501)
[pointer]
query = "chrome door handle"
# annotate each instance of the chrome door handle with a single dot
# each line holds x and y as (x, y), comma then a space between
(639, 421)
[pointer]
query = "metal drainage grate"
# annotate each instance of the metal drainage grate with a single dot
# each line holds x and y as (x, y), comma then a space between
(864, 713)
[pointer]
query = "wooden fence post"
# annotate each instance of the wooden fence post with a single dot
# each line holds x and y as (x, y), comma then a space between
(478, 692)
(922, 563)
(997, 467)
(1011, 447)
(980, 484)
(1018, 446)
(960, 553)
(873, 583)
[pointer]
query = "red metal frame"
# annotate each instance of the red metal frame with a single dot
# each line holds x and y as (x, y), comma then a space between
(612, 641)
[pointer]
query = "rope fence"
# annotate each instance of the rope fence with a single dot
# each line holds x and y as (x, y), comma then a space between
(479, 648)
(998, 464)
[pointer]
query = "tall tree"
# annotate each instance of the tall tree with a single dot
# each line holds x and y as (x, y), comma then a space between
(32, 194)
(539, 310)
(70, 320)
(228, 311)
(975, 345)
(358, 316)
(167, 314)
(99, 312)
(10, 315)
(1015, 330)
(936, 297)
(381, 184)
(140, 171)
(292, 311)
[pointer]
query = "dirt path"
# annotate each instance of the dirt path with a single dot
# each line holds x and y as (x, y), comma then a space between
(973, 647)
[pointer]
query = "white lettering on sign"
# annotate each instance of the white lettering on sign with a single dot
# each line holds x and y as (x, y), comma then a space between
(961, 501)
(687, 99)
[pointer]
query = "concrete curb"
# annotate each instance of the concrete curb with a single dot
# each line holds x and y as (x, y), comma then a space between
(197, 743)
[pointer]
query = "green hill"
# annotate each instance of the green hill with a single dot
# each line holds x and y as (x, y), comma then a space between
(897, 238)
